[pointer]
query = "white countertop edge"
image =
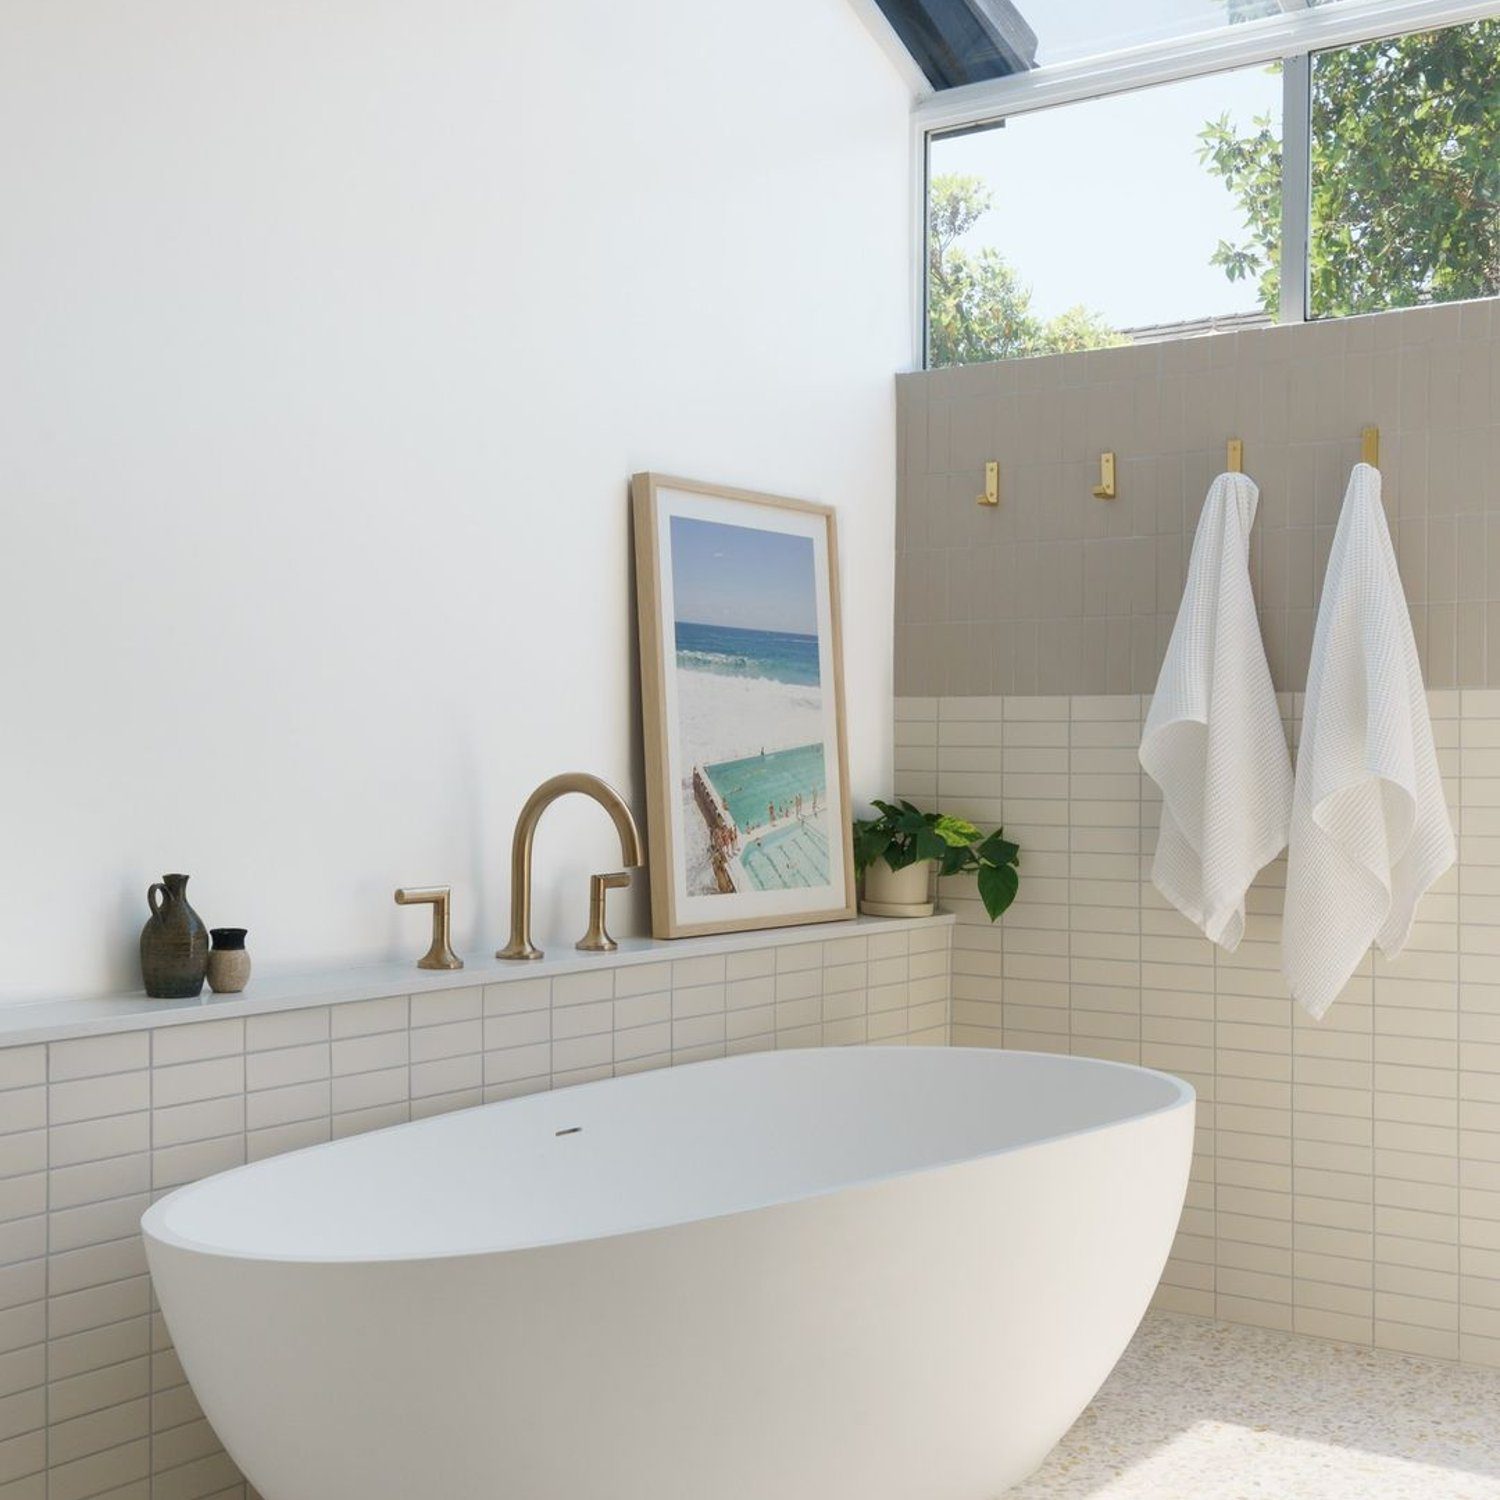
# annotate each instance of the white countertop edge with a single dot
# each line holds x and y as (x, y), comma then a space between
(55, 1020)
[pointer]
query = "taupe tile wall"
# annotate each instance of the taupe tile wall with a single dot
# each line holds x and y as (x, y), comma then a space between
(92, 1399)
(1056, 592)
(1347, 1175)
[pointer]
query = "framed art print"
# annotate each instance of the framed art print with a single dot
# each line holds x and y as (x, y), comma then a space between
(742, 696)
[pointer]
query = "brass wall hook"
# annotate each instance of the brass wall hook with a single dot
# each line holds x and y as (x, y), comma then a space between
(1105, 489)
(991, 495)
(1369, 447)
(440, 955)
(597, 938)
(1235, 456)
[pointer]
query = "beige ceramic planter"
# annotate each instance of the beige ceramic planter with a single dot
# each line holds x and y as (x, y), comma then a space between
(898, 893)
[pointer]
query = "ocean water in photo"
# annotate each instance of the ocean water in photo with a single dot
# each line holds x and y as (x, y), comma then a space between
(727, 651)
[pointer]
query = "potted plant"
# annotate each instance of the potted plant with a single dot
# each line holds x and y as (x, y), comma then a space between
(897, 852)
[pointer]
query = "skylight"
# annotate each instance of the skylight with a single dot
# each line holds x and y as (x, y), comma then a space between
(966, 41)
(1070, 29)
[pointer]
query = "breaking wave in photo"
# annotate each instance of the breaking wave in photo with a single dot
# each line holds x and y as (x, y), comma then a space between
(726, 651)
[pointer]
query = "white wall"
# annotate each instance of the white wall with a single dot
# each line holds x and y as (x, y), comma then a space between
(330, 333)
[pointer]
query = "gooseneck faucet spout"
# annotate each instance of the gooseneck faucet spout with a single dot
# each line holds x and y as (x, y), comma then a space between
(520, 945)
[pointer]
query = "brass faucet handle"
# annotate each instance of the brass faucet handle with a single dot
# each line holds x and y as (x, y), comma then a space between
(440, 955)
(597, 938)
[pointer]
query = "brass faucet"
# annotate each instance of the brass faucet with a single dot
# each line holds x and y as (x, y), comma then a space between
(597, 939)
(440, 955)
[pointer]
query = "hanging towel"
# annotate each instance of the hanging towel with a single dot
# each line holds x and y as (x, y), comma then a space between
(1214, 741)
(1370, 830)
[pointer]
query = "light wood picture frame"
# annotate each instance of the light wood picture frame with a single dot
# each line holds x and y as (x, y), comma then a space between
(742, 706)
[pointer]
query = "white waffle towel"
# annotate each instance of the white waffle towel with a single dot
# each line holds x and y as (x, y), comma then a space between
(1370, 830)
(1214, 741)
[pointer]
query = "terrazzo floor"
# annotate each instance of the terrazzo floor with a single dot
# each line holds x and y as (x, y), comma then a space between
(1212, 1411)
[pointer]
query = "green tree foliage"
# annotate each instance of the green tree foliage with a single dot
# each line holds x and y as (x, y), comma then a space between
(978, 307)
(1405, 176)
(1251, 167)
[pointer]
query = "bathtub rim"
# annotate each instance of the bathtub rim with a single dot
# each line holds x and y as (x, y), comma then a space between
(153, 1228)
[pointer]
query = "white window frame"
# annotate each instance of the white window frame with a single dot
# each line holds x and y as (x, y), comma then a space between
(1291, 38)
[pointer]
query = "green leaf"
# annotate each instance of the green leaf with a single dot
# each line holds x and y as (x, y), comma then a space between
(998, 850)
(870, 842)
(901, 854)
(928, 845)
(998, 885)
(955, 831)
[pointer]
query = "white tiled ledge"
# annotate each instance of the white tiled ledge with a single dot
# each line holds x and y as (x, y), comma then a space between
(54, 1020)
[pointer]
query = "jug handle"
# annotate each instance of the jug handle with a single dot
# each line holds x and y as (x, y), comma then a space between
(154, 900)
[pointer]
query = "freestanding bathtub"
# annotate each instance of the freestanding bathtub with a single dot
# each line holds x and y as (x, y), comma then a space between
(845, 1274)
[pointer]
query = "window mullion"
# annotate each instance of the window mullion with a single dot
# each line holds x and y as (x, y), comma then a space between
(1296, 185)
(920, 229)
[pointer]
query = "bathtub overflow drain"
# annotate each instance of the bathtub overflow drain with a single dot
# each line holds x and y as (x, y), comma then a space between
(571, 1130)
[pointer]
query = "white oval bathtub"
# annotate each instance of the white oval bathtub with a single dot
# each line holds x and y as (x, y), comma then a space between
(845, 1274)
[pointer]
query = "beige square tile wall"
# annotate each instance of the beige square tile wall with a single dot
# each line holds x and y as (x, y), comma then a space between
(1056, 592)
(92, 1399)
(1347, 1175)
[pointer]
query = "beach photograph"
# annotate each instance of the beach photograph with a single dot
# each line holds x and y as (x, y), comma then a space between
(750, 721)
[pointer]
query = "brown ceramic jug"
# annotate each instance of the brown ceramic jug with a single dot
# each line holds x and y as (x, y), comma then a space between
(174, 943)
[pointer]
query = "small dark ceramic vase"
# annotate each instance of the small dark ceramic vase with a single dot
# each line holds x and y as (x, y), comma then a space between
(174, 943)
(228, 963)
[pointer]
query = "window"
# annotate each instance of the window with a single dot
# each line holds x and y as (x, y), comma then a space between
(962, 41)
(1071, 29)
(1096, 223)
(1406, 171)
(1133, 209)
